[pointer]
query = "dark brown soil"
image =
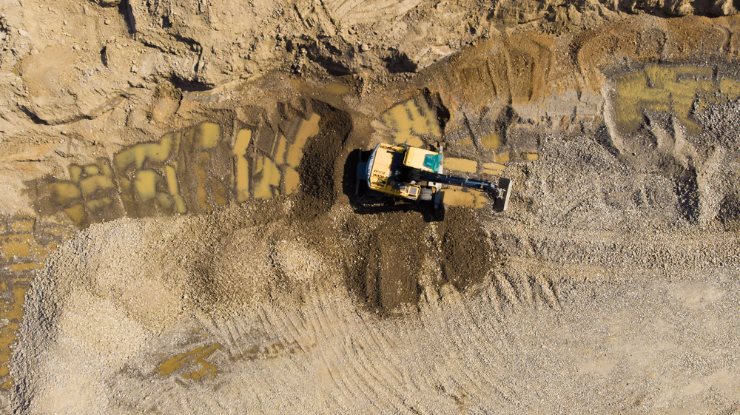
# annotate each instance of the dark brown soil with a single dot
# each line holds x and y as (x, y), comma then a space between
(402, 251)
(317, 170)
(387, 263)
(466, 251)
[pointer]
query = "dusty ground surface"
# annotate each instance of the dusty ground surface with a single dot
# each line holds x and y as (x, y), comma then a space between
(179, 233)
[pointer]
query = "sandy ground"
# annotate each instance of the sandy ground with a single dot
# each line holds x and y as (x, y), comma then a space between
(631, 312)
(562, 324)
(176, 181)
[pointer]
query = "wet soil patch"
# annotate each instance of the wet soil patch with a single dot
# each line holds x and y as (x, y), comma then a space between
(435, 102)
(400, 250)
(729, 212)
(466, 252)
(316, 171)
(687, 194)
(386, 269)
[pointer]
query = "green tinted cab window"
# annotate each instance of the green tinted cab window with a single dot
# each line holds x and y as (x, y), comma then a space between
(433, 161)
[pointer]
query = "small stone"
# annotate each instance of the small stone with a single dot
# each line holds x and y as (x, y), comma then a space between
(364, 47)
(106, 22)
(76, 47)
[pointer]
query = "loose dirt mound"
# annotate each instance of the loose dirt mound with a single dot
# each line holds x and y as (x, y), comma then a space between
(466, 248)
(319, 187)
(397, 254)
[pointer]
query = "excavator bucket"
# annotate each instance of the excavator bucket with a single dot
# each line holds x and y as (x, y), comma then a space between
(501, 200)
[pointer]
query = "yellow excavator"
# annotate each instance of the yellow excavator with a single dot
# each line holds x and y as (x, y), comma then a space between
(415, 177)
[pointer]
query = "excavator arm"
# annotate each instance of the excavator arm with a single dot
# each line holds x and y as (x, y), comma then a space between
(500, 192)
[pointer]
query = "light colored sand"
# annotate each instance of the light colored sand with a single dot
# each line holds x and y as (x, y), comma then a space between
(636, 339)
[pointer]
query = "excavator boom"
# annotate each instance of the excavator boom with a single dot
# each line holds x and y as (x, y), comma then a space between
(498, 192)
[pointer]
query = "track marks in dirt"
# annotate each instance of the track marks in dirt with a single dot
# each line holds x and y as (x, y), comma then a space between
(351, 12)
(519, 289)
(584, 249)
(355, 359)
(538, 265)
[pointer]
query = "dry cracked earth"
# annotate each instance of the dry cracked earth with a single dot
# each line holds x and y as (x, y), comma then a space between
(179, 232)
